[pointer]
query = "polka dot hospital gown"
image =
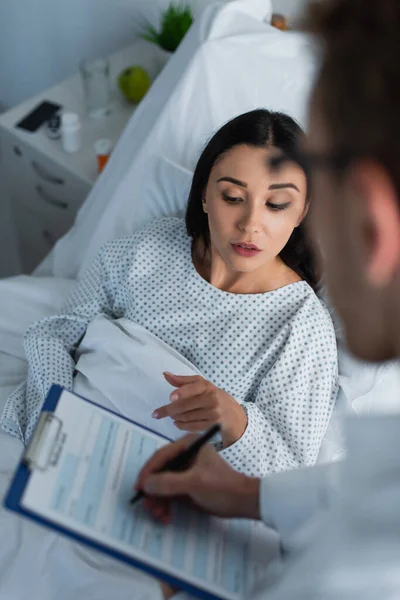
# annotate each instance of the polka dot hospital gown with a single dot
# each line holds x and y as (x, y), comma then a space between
(275, 353)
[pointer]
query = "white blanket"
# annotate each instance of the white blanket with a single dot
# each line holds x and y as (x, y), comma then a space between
(120, 365)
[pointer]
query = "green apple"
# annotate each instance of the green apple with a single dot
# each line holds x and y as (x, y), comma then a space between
(134, 82)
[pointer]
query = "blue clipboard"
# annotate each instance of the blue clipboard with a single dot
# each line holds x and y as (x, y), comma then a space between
(12, 500)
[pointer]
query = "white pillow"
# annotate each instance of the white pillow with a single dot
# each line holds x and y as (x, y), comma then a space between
(229, 63)
(162, 191)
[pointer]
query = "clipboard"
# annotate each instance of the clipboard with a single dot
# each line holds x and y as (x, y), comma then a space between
(43, 453)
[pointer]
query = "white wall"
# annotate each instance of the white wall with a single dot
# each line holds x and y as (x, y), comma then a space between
(42, 41)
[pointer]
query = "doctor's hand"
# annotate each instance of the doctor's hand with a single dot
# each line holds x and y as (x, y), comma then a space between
(197, 404)
(210, 483)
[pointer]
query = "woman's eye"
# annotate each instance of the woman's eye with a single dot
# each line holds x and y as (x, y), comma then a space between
(232, 199)
(277, 207)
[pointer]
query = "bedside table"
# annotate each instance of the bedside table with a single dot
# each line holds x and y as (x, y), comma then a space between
(46, 185)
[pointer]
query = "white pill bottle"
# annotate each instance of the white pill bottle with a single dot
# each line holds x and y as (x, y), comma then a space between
(70, 132)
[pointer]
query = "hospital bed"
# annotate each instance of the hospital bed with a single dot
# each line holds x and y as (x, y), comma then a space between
(230, 62)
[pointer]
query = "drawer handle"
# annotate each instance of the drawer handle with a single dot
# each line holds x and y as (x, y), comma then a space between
(50, 200)
(49, 237)
(43, 174)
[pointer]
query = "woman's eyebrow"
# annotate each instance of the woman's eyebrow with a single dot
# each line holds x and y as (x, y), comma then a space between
(233, 180)
(280, 186)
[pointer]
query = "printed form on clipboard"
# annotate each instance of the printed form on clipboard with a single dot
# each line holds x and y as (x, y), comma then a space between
(77, 478)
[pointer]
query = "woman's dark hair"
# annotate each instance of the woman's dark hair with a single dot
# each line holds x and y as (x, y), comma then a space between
(261, 129)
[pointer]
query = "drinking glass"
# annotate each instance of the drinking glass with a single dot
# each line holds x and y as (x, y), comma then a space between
(96, 85)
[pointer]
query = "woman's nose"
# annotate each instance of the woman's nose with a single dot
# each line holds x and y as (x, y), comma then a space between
(250, 221)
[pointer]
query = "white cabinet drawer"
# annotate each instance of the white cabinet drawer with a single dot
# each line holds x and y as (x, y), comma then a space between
(26, 169)
(45, 197)
(34, 239)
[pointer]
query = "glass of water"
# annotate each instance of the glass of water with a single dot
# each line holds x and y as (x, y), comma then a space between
(96, 85)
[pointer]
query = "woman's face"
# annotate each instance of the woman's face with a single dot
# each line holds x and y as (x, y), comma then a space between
(252, 210)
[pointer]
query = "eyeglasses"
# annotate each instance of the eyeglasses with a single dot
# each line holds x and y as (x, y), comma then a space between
(309, 161)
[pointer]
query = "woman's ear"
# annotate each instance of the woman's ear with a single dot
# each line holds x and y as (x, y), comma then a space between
(204, 201)
(382, 224)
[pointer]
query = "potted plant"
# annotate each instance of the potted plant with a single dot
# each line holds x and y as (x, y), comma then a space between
(176, 20)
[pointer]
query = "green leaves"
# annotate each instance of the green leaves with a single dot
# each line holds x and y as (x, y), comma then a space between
(175, 22)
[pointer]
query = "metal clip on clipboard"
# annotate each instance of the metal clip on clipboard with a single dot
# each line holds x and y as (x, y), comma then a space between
(42, 447)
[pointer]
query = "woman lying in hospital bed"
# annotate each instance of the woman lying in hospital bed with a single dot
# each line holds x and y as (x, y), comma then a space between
(230, 289)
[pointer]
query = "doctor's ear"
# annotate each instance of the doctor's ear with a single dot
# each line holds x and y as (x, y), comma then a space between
(379, 207)
(204, 201)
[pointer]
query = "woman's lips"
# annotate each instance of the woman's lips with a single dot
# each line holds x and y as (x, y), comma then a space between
(246, 250)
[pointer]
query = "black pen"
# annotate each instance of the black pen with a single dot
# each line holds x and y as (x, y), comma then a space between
(183, 460)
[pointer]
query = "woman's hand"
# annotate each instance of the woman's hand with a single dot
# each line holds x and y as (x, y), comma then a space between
(197, 404)
(210, 483)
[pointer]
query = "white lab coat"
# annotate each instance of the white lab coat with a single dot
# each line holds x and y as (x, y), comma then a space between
(340, 523)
